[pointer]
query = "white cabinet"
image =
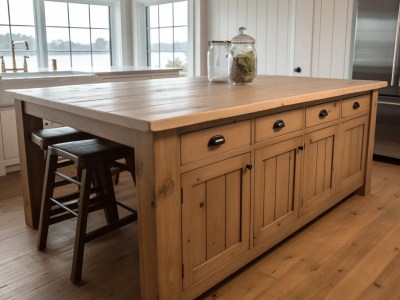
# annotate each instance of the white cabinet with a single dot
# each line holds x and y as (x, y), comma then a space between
(9, 142)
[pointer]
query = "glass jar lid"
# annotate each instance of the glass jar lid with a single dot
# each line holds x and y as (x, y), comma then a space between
(242, 37)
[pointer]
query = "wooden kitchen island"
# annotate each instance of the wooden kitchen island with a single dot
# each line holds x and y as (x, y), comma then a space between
(224, 172)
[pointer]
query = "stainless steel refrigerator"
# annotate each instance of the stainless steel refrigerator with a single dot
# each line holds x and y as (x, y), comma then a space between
(377, 57)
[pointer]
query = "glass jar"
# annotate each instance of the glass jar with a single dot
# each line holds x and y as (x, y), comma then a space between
(242, 58)
(217, 59)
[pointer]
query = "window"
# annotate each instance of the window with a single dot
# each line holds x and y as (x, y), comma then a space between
(76, 33)
(17, 24)
(167, 35)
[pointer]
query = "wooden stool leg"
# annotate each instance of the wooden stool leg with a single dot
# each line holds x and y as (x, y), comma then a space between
(130, 162)
(48, 190)
(80, 236)
(107, 191)
(112, 208)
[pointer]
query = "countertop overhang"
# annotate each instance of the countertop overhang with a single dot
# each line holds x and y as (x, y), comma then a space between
(162, 104)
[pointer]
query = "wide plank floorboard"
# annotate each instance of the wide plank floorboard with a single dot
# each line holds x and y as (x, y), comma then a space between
(350, 252)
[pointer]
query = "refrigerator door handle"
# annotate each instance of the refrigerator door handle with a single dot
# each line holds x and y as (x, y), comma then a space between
(395, 67)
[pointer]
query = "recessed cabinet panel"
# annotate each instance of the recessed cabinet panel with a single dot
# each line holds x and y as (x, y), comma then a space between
(9, 131)
(277, 178)
(1, 141)
(353, 151)
(319, 167)
(215, 216)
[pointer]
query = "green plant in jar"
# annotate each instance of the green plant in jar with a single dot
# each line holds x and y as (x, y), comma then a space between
(242, 58)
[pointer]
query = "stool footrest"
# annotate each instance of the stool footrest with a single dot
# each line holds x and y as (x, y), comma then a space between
(68, 178)
(110, 227)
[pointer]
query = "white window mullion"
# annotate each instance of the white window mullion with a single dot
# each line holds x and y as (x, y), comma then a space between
(41, 39)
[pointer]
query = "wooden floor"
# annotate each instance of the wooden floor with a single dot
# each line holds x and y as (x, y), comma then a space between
(351, 252)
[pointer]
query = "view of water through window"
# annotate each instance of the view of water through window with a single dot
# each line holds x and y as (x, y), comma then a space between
(167, 35)
(78, 35)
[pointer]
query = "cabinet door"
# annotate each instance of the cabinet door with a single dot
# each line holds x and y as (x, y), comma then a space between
(319, 167)
(353, 135)
(9, 131)
(277, 177)
(215, 216)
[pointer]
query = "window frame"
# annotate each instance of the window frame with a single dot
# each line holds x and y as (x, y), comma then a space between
(117, 25)
(140, 32)
(115, 28)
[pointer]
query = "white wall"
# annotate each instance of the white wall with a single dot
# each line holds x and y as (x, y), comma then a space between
(313, 34)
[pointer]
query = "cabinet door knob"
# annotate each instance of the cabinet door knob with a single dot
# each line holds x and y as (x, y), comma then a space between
(301, 148)
(249, 166)
(356, 105)
(278, 124)
(216, 140)
(323, 113)
(297, 70)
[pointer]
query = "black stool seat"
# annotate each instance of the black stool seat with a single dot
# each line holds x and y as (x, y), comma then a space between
(93, 158)
(90, 152)
(49, 136)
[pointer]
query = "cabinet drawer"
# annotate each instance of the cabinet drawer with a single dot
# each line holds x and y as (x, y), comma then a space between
(212, 141)
(355, 105)
(322, 113)
(278, 124)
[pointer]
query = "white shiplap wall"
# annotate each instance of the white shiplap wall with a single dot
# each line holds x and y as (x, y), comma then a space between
(270, 22)
(313, 34)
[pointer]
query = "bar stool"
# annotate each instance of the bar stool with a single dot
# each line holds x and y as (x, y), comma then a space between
(49, 136)
(93, 159)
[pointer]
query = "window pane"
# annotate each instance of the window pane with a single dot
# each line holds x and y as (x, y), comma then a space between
(5, 40)
(101, 59)
(166, 39)
(31, 61)
(153, 16)
(81, 60)
(166, 59)
(180, 59)
(24, 33)
(155, 59)
(165, 15)
(100, 40)
(56, 13)
(21, 12)
(99, 17)
(180, 13)
(80, 39)
(3, 12)
(57, 39)
(180, 38)
(63, 60)
(154, 40)
(79, 15)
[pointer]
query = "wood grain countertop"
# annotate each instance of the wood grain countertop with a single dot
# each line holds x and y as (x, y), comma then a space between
(162, 104)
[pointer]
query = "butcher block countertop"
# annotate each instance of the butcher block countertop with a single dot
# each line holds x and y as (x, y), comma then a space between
(162, 104)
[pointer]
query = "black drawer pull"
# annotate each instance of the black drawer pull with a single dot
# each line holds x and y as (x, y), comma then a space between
(278, 124)
(216, 140)
(249, 166)
(356, 105)
(323, 113)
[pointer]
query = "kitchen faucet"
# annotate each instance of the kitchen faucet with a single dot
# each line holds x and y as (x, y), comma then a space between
(14, 68)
